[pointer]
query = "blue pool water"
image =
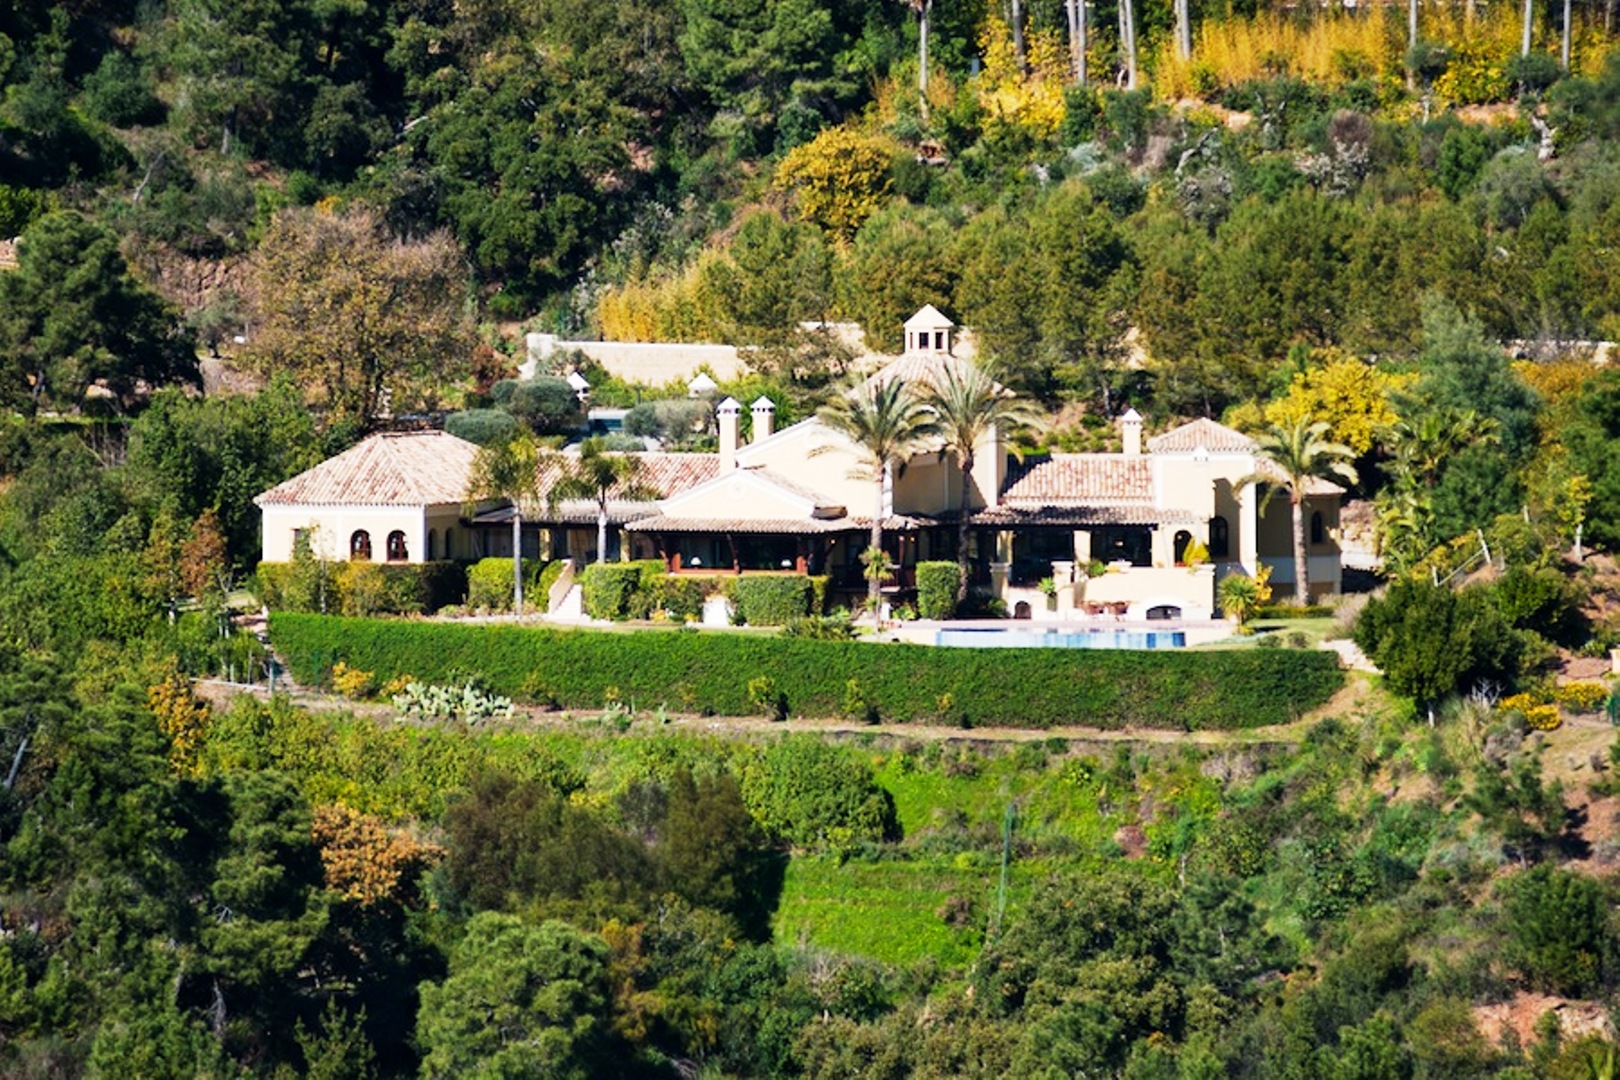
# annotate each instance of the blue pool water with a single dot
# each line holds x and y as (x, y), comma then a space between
(1062, 639)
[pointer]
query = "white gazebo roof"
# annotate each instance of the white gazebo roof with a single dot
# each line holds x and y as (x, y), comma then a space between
(929, 317)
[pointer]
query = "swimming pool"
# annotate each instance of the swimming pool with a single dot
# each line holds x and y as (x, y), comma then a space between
(1061, 639)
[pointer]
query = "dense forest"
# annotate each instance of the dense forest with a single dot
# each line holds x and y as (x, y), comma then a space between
(1402, 224)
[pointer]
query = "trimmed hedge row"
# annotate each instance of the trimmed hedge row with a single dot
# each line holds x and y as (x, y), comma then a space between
(711, 672)
(361, 588)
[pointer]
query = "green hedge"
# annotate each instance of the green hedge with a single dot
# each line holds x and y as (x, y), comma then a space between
(936, 589)
(621, 590)
(699, 671)
(362, 588)
(774, 600)
(489, 583)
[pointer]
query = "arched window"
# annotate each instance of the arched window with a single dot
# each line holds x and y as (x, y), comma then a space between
(449, 542)
(1219, 538)
(433, 535)
(1183, 539)
(396, 547)
(360, 545)
(1318, 534)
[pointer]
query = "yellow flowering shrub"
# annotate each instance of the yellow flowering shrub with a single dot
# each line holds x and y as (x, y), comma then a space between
(351, 682)
(183, 719)
(1352, 396)
(840, 178)
(1582, 697)
(1538, 712)
(1032, 99)
(1543, 718)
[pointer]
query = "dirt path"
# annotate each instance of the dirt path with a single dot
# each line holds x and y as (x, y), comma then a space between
(219, 694)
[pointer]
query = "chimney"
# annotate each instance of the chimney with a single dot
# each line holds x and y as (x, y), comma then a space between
(1131, 428)
(726, 413)
(764, 410)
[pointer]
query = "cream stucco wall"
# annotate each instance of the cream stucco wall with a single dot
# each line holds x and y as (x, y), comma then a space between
(335, 525)
(1192, 590)
(741, 494)
(815, 456)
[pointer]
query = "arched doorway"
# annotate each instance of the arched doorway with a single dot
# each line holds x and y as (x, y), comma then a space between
(1182, 541)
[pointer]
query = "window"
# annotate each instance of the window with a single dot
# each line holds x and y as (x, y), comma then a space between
(1219, 538)
(396, 547)
(939, 340)
(449, 543)
(360, 545)
(302, 538)
(1131, 544)
(1318, 533)
(432, 536)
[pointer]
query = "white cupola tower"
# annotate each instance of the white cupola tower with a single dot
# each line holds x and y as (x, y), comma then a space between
(929, 331)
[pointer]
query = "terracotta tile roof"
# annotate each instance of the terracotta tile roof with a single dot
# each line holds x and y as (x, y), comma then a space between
(788, 526)
(1125, 513)
(665, 474)
(416, 468)
(1071, 479)
(791, 526)
(923, 371)
(1203, 432)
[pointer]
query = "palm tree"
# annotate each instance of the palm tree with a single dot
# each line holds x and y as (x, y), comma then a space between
(594, 474)
(968, 408)
(887, 424)
(1299, 453)
(923, 9)
(508, 470)
(1424, 446)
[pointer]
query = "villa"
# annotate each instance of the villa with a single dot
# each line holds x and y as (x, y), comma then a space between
(1112, 531)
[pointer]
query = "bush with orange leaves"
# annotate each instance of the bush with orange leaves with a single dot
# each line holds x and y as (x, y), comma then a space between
(367, 862)
(183, 719)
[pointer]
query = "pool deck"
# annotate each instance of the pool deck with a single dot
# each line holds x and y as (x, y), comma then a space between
(924, 631)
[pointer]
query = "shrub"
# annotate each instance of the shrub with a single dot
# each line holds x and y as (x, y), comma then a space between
(546, 404)
(857, 706)
(352, 682)
(608, 589)
(809, 792)
(486, 427)
(681, 597)
(819, 628)
(1293, 611)
(937, 583)
(1035, 688)
(362, 588)
(764, 696)
(489, 584)
(1543, 718)
(1558, 930)
(772, 600)
(1582, 697)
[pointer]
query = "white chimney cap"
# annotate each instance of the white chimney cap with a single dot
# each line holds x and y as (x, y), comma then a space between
(762, 403)
(577, 381)
(1132, 417)
(701, 383)
(730, 405)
